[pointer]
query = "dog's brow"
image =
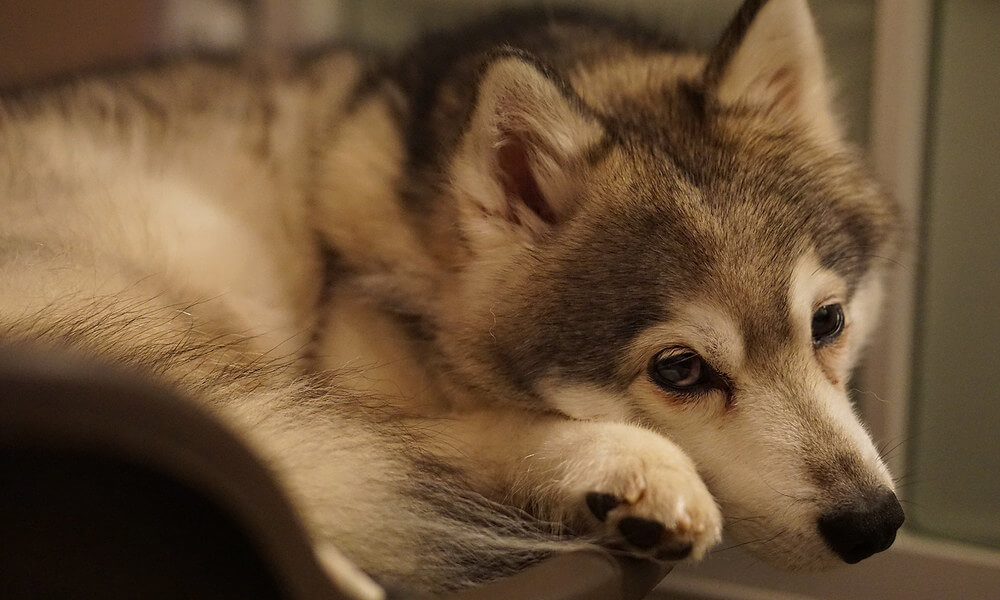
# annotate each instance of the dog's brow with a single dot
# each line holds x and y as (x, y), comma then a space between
(715, 342)
(709, 330)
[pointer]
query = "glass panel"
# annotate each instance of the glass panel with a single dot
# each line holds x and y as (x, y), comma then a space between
(955, 456)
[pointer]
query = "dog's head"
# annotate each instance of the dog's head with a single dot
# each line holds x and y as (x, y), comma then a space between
(684, 242)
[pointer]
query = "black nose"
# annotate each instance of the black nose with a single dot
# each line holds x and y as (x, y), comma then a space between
(858, 530)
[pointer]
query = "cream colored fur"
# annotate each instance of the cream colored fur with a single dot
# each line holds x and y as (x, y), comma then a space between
(185, 246)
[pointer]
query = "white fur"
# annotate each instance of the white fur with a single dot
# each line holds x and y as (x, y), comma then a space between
(586, 402)
(813, 286)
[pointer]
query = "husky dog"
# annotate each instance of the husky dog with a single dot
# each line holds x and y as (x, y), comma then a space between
(548, 279)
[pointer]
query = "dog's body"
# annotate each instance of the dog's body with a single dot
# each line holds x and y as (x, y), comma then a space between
(564, 267)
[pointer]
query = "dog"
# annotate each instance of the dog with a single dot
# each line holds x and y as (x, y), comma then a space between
(548, 282)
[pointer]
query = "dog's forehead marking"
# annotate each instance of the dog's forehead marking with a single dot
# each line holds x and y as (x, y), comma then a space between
(810, 287)
(745, 316)
(730, 331)
(807, 194)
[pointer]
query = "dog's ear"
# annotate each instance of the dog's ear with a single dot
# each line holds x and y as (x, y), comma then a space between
(770, 57)
(514, 174)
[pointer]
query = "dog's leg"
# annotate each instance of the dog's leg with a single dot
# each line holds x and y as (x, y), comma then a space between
(624, 486)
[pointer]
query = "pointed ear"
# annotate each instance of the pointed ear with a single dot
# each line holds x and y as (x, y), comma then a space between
(771, 57)
(514, 172)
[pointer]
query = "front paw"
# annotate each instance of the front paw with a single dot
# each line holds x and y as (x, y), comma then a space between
(644, 497)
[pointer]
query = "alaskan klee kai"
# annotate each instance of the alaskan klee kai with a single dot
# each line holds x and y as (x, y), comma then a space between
(543, 283)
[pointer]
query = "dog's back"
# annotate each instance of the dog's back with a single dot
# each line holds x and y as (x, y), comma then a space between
(157, 219)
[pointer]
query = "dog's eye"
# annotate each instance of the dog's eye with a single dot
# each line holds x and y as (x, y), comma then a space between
(678, 371)
(827, 324)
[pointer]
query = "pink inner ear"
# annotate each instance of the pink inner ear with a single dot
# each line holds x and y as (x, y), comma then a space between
(519, 182)
(783, 86)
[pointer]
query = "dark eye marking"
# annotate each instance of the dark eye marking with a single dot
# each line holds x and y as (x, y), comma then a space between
(682, 371)
(827, 324)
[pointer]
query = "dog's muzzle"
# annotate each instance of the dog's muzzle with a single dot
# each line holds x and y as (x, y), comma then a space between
(868, 525)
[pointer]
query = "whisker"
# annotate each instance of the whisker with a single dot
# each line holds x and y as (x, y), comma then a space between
(757, 541)
(740, 519)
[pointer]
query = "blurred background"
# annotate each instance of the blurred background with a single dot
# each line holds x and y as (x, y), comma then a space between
(917, 84)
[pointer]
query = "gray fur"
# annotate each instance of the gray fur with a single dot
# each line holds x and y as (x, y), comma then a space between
(348, 265)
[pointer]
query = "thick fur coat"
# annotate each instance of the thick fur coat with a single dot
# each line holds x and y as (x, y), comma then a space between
(549, 282)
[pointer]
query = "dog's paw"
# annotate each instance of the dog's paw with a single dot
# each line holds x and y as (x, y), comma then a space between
(666, 518)
(644, 496)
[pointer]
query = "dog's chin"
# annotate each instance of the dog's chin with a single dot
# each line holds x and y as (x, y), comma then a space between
(788, 548)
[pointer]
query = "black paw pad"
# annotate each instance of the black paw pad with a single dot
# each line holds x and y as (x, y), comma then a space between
(641, 533)
(601, 504)
(674, 550)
